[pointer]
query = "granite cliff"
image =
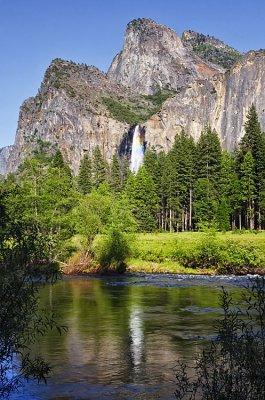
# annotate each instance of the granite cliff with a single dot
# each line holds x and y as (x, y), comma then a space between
(157, 79)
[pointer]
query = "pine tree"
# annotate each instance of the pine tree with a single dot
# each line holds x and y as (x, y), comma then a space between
(184, 151)
(205, 203)
(99, 168)
(151, 164)
(125, 170)
(58, 162)
(140, 189)
(223, 214)
(254, 141)
(229, 188)
(173, 191)
(115, 178)
(248, 188)
(209, 156)
(84, 178)
(163, 189)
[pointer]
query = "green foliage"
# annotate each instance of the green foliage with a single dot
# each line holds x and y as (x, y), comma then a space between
(159, 97)
(115, 177)
(223, 57)
(232, 366)
(26, 261)
(42, 195)
(253, 142)
(211, 49)
(205, 252)
(99, 168)
(92, 213)
(206, 205)
(225, 257)
(135, 113)
(123, 111)
(84, 178)
(111, 251)
(99, 210)
(141, 193)
(209, 156)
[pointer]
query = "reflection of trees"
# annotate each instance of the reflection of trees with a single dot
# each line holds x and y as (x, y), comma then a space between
(124, 333)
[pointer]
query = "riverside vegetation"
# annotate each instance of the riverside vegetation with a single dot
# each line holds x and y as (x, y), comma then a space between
(97, 220)
(232, 366)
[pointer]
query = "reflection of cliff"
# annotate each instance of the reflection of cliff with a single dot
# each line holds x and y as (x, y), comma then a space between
(123, 334)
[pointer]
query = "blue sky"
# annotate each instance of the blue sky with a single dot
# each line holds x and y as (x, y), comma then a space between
(33, 32)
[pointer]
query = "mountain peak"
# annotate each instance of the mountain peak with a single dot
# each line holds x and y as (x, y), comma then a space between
(153, 56)
(143, 24)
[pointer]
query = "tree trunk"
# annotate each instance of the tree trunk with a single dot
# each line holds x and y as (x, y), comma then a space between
(190, 211)
(183, 220)
(170, 221)
(259, 219)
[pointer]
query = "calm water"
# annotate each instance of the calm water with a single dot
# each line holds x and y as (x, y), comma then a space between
(124, 335)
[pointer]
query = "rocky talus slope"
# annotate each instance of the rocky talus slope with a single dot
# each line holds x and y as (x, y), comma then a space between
(157, 80)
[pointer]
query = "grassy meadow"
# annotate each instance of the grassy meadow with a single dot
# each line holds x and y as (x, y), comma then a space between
(239, 252)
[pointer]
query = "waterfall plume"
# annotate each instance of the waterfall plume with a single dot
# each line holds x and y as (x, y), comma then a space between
(138, 146)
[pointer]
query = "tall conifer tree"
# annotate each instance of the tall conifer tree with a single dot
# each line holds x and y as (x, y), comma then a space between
(99, 168)
(254, 141)
(140, 189)
(209, 156)
(115, 174)
(84, 178)
(248, 188)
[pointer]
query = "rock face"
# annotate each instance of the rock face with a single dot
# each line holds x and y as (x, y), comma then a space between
(68, 112)
(222, 102)
(79, 107)
(210, 49)
(4, 155)
(153, 57)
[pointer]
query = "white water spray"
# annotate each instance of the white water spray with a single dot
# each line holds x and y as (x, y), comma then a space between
(137, 157)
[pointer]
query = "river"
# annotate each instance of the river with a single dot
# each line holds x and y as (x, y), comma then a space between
(124, 334)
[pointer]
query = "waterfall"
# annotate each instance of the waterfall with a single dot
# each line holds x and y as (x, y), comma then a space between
(137, 157)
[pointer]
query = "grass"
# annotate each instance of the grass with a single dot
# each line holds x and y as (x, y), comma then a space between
(197, 253)
(164, 267)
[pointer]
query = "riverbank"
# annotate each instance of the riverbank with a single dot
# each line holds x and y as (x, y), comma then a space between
(238, 253)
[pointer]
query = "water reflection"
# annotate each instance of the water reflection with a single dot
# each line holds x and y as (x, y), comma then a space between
(123, 339)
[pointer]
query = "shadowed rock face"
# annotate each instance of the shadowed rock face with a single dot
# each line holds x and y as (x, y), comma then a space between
(4, 155)
(71, 113)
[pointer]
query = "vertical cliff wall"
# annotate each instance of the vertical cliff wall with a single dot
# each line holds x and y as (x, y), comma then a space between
(155, 80)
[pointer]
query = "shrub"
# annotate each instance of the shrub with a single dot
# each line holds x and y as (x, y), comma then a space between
(111, 251)
(232, 366)
(204, 255)
(225, 256)
(237, 258)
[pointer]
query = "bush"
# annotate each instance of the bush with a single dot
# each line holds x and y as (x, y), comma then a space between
(111, 251)
(232, 366)
(205, 255)
(225, 256)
